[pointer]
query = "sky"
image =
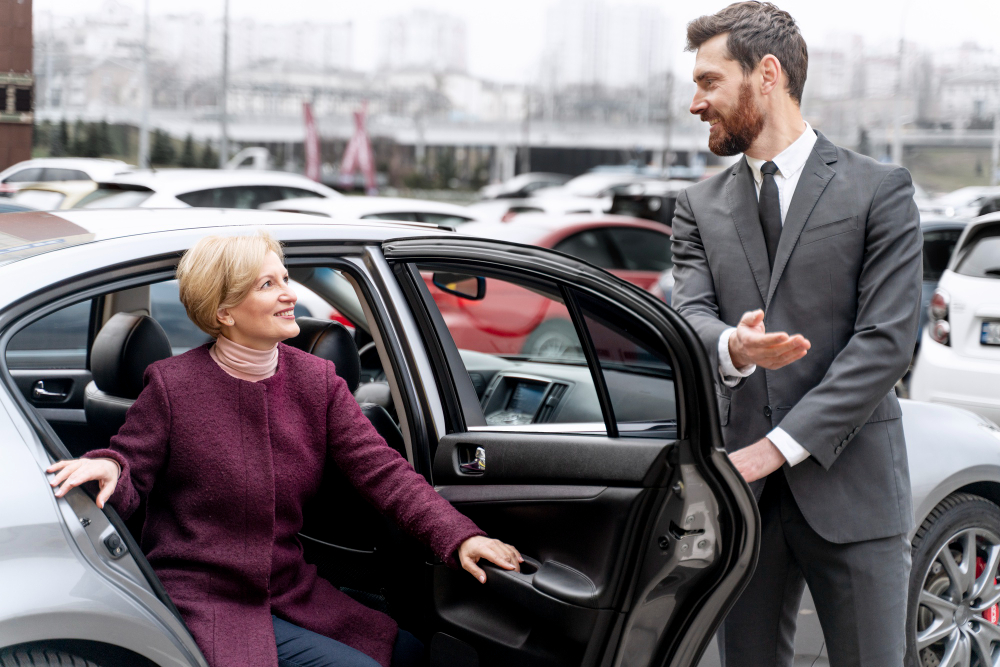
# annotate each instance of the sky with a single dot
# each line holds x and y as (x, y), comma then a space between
(505, 37)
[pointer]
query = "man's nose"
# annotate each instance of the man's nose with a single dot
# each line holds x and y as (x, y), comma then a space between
(698, 104)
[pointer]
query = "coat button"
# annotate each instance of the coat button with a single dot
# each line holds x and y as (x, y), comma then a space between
(767, 410)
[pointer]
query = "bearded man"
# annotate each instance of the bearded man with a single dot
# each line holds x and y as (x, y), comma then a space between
(804, 237)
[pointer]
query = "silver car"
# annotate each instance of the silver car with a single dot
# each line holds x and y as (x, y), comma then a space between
(604, 465)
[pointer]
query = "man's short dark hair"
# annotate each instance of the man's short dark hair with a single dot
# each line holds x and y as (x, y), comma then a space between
(756, 29)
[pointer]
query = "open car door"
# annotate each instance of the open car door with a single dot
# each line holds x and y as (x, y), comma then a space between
(589, 439)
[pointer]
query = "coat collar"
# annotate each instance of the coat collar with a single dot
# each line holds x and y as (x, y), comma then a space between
(742, 197)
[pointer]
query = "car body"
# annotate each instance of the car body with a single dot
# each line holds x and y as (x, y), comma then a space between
(959, 360)
(522, 185)
(961, 203)
(54, 195)
(507, 209)
(594, 500)
(442, 214)
(202, 188)
(44, 170)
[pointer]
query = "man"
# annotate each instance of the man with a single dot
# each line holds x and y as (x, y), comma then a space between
(802, 236)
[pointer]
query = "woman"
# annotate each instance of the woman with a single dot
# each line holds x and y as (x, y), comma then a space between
(227, 442)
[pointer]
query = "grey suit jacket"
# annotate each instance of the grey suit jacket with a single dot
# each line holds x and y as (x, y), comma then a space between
(847, 276)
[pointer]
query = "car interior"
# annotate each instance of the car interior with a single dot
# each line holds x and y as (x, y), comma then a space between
(581, 516)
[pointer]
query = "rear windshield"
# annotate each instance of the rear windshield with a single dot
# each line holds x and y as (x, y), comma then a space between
(981, 257)
(938, 246)
(114, 198)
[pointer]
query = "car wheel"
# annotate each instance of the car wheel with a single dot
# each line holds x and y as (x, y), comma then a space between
(30, 655)
(553, 339)
(952, 611)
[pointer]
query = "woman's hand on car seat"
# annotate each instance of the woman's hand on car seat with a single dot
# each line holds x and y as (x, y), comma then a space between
(495, 551)
(74, 472)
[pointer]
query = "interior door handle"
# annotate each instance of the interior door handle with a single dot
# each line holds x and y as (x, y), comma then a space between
(39, 392)
(538, 580)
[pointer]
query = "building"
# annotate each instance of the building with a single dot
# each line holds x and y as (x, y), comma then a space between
(423, 40)
(16, 82)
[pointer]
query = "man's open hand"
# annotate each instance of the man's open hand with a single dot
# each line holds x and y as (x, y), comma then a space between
(749, 344)
(758, 460)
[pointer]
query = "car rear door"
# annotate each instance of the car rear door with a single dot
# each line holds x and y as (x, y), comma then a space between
(602, 464)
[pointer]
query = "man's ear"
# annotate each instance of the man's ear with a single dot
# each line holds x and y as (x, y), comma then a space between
(770, 73)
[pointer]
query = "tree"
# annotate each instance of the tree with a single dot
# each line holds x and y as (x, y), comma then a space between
(78, 145)
(103, 141)
(162, 151)
(187, 154)
(59, 140)
(91, 145)
(209, 160)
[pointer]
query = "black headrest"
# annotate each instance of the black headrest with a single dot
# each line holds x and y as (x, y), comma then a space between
(124, 347)
(330, 340)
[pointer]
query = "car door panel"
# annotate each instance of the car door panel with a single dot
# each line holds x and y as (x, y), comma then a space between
(634, 546)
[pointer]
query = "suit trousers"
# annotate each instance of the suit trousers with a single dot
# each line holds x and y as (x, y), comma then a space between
(860, 590)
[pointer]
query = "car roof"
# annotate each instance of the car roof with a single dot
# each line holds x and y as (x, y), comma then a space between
(99, 167)
(358, 206)
(530, 228)
(179, 181)
(24, 235)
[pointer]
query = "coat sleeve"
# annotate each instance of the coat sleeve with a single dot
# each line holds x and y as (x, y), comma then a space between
(881, 347)
(386, 480)
(693, 293)
(140, 447)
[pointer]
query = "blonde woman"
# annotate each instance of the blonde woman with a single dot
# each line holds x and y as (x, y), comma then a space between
(227, 442)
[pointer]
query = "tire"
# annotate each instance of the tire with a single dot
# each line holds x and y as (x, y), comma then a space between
(32, 655)
(553, 339)
(945, 608)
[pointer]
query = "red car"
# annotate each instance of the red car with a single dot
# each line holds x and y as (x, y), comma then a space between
(512, 320)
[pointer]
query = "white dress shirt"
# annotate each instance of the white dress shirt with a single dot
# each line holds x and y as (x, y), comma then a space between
(790, 163)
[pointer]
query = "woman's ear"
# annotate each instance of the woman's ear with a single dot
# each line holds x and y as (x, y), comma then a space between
(224, 317)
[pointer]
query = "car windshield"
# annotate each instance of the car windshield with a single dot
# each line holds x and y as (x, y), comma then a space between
(938, 246)
(981, 258)
(41, 200)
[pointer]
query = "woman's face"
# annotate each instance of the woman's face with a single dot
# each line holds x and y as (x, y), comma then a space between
(266, 316)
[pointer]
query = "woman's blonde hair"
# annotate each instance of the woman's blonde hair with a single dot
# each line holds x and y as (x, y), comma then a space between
(219, 272)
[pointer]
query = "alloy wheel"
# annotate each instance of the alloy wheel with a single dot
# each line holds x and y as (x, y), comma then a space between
(957, 615)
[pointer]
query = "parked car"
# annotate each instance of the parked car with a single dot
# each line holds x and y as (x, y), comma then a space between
(530, 324)
(632, 520)
(377, 208)
(615, 482)
(962, 203)
(652, 200)
(522, 185)
(990, 205)
(941, 234)
(54, 195)
(6, 207)
(959, 360)
(507, 209)
(45, 170)
(202, 188)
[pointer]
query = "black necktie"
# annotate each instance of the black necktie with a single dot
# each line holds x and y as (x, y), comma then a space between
(769, 209)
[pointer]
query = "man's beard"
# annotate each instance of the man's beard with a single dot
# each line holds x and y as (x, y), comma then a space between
(736, 132)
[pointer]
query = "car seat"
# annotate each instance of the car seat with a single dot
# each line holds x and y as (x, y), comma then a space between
(122, 350)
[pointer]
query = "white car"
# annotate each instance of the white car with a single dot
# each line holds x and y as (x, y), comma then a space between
(962, 203)
(959, 360)
(44, 170)
(202, 188)
(377, 208)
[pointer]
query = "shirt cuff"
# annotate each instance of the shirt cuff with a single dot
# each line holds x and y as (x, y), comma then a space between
(731, 375)
(793, 452)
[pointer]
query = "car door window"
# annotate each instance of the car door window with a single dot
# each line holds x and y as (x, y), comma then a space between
(52, 174)
(58, 340)
(590, 246)
(166, 308)
(642, 249)
(521, 350)
(32, 175)
(981, 257)
(938, 246)
(295, 193)
(406, 217)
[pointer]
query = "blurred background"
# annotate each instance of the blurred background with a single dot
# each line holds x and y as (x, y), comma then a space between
(457, 95)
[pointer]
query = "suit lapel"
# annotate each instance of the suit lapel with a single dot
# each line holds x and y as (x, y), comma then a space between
(816, 174)
(742, 197)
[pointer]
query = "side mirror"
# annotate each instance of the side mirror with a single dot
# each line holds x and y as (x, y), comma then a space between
(461, 285)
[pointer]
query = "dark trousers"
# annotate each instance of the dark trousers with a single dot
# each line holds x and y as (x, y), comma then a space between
(860, 592)
(298, 647)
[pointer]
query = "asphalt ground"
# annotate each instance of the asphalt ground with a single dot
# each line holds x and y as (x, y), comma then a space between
(810, 651)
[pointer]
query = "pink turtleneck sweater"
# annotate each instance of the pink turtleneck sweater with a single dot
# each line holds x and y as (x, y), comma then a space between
(244, 363)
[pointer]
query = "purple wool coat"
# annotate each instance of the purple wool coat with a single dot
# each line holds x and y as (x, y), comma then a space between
(225, 467)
